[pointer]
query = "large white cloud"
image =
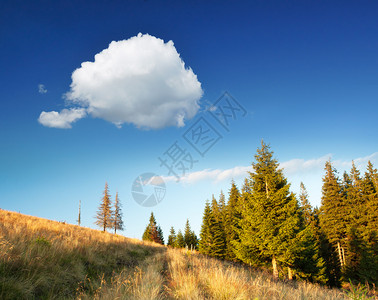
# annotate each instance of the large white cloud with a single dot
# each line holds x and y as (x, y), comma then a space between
(62, 119)
(142, 81)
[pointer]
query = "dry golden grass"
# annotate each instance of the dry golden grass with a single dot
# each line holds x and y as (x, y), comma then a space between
(42, 259)
(194, 276)
(45, 259)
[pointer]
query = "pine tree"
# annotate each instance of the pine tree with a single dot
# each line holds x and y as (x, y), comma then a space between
(117, 215)
(190, 237)
(232, 218)
(222, 204)
(160, 235)
(306, 207)
(212, 238)
(333, 212)
(205, 234)
(172, 238)
(153, 232)
(309, 261)
(328, 254)
(180, 242)
(370, 191)
(270, 220)
(362, 241)
(217, 232)
(104, 213)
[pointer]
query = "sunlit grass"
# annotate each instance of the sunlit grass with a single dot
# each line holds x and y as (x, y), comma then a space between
(45, 259)
(197, 277)
(42, 259)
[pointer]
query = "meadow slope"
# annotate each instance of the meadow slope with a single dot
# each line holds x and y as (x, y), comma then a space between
(43, 259)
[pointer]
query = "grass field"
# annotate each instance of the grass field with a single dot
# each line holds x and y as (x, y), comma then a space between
(43, 259)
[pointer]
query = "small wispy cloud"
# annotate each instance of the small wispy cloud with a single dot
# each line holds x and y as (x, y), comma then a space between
(291, 167)
(62, 119)
(42, 89)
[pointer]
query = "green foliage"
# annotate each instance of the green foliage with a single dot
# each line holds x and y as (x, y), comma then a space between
(180, 242)
(333, 209)
(264, 223)
(213, 240)
(42, 241)
(270, 216)
(172, 238)
(117, 222)
(153, 232)
(358, 292)
(231, 220)
(309, 261)
(190, 238)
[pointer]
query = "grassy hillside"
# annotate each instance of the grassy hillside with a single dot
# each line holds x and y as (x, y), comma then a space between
(42, 259)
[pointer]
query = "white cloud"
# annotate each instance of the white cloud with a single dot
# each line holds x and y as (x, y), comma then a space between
(141, 81)
(291, 168)
(62, 119)
(42, 89)
(214, 175)
(298, 165)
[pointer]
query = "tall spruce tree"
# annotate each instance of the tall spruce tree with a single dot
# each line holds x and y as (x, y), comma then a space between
(190, 237)
(309, 262)
(117, 215)
(212, 238)
(270, 220)
(217, 232)
(172, 238)
(105, 213)
(160, 236)
(361, 240)
(232, 218)
(180, 242)
(205, 234)
(370, 190)
(306, 208)
(153, 232)
(334, 212)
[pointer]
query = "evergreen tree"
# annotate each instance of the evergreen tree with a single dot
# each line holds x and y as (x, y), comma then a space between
(212, 238)
(104, 213)
(117, 216)
(160, 236)
(217, 231)
(153, 232)
(309, 260)
(222, 204)
(306, 207)
(190, 237)
(205, 234)
(362, 254)
(172, 238)
(232, 218)
(333, 215)
(270, 219)
(356, 199)
(370, 191)
(180, 242)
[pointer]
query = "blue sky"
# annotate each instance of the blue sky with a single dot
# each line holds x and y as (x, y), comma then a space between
(304, 71)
